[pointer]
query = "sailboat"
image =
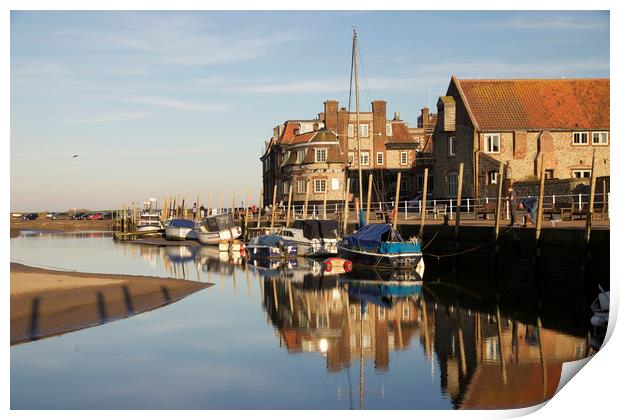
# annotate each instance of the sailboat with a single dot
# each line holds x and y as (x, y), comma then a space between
(379, 245)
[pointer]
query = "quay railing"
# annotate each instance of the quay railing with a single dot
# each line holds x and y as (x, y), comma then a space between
(553, 205)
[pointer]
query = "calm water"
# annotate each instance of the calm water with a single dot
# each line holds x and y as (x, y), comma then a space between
(291, 337)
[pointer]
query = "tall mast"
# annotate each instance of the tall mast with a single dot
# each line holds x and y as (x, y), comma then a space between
(357, 121)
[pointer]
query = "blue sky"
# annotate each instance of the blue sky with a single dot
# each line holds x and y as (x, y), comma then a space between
(165, 103)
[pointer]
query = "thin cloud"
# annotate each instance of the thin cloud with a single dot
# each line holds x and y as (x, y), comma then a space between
(555, 22)
(177, 104)
(119, 117)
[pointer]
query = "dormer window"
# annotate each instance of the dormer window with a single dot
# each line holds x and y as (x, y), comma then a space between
(320, 155)
(388, 129)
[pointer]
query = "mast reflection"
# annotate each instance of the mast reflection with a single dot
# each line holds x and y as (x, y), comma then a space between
(487, 354)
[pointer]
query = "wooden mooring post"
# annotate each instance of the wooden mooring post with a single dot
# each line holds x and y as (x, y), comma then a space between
(273, 205)
(247, 214)
(325, 201)
(395, 222)
(288, 207)
(208, 210)
(591, 201)
(346, 208)
(424, 188)
(458, 202)
(368, 198)
(306, 199)
(541, 195)
(498, 208)
(260, 208)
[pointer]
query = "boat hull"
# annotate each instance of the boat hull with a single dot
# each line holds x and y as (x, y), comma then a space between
(148, 229)
(176, 233)
(405, 261)
(214, 238)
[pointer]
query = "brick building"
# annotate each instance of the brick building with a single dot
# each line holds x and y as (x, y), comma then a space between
(483, 122)
(324, 151)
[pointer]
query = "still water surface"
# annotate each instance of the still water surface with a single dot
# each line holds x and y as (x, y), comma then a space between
(292, 338)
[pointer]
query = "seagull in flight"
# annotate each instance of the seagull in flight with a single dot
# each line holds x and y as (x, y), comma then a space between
(75, 156)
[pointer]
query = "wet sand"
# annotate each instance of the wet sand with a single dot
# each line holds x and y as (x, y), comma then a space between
(48, 302)
(59, 225)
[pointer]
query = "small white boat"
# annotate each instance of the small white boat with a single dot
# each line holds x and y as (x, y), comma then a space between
(149, 223)
(216, 229)
(178, 229)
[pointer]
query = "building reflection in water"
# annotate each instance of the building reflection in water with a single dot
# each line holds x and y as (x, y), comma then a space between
(487, 357)
(487, 353)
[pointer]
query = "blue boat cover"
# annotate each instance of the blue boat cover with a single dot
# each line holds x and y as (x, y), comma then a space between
(182, 223)
(370, 236)
(378, 238)
(399, 247)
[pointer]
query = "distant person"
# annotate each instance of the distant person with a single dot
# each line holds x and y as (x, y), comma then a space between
(511, 198)
(530, 205)
(202, 211)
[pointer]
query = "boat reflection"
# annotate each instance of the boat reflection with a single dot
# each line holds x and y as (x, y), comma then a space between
(486, 355)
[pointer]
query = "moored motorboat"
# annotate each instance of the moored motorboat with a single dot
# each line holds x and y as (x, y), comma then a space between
(380, 246)
(178, 229)
(313, 238)
(149, 223)
(270, 246)
(216, 229)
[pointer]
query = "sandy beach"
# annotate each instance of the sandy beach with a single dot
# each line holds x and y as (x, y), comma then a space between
(48, 302)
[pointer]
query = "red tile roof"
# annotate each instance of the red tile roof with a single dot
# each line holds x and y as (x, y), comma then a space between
(303, 138)
(289, 132)
(565, 104)
(400, 133)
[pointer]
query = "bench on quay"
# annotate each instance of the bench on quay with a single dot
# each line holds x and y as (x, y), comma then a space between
(485, 210)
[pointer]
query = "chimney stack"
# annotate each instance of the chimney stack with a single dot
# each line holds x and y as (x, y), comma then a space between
(331, 115)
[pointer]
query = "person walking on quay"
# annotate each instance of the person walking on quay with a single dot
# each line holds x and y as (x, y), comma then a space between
(194, 211)
(512, 202)
(530, 204)
(202, 211)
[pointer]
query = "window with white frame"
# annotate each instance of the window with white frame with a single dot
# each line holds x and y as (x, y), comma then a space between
(301, 155)
(365, 157)
(491, 143)
(364, 130)
(452, 180)
(320, 155)
(582, 173)
(580, 138)
(335, 184)
(379, 158)
(350, 130)
(301, 186)
(600, 137)
(404, 158)
(352, 158)
(492, 177)
(388, 129)
(451, 146)
(320, 185)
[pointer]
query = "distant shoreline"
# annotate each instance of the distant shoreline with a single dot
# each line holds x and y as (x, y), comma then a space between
(48, 302)
(48, 225)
